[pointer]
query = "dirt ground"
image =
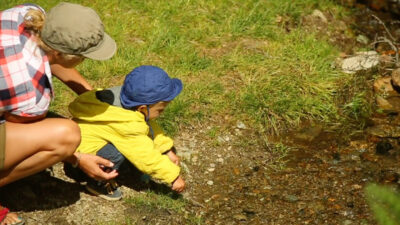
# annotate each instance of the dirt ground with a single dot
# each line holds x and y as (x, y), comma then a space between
(232, 183)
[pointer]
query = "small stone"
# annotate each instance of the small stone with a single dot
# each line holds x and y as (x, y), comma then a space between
(291, 198)
(240, 217)
(212, 165)
(317, 13)
(241, 125)
(211, 169)
(210, 182)
(308, 134)
(362, 39)
(220, 160)
(355, 158)
(347, 222)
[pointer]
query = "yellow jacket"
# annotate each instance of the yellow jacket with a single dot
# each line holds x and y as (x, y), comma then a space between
(127, 130)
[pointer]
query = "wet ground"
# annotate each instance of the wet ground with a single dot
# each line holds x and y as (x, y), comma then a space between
(237, 179)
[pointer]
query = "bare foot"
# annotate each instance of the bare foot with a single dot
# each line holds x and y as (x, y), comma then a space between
(10, 218)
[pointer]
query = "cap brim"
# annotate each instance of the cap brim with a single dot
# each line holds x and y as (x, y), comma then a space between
(105, 51)
(178, 86)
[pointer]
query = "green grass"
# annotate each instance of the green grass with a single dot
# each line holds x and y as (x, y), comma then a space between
(233, 57)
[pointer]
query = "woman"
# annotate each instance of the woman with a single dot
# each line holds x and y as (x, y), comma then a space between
(32, 48)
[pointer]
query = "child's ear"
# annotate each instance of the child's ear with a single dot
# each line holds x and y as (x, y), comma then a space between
(142, 109)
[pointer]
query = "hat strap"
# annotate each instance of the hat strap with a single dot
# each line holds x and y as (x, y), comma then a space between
(147, 121)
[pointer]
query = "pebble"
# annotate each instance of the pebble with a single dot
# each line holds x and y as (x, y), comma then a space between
(212, 165)
(240, 125)
(211, 169)
(291, 198)
(220, 160)
(210, 182)
(355, 158)
(240, 217)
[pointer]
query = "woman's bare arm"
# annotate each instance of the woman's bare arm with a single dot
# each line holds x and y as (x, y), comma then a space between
(72, 78)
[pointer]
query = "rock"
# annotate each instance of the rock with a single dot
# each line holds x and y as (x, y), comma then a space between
(383, 87)
(308, 134)
(347, 222)
(396, 79)
(241, 125)
(362, 39)
(361, 61)
(320, 15)
(389, 104)
(383, 148)
(291, 198)
(240, 217)
(384, 131)
(210, 182)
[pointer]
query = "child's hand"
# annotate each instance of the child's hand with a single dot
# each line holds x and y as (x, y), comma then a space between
(178, 185)
(173, 157)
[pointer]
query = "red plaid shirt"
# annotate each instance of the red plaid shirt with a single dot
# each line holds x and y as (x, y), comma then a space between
(25, 76)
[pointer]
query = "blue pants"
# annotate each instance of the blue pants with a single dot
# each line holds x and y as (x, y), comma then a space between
(110, 152)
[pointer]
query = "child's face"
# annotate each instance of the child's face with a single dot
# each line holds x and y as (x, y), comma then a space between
(156, 109)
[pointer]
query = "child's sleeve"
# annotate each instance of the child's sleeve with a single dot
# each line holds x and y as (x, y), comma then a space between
(161, 142)
(141, 151)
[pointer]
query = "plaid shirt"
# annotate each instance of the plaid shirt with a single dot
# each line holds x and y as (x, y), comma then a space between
(25, 76)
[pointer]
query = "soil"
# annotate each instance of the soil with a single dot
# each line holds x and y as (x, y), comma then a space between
(232, 181)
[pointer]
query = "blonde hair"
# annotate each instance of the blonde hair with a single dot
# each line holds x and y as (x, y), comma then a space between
(34, 20)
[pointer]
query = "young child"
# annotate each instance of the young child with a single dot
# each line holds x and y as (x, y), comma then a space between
(117, 124)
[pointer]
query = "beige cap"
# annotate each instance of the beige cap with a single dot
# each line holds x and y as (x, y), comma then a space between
(77, 30)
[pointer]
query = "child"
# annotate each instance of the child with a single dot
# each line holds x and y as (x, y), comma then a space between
(117, 124)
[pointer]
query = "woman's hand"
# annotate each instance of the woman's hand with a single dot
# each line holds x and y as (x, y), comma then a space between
(92, 165)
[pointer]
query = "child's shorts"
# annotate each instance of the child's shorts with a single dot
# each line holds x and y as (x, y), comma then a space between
(2, 143)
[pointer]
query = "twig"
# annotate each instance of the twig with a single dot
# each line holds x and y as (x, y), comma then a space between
(192, 201)
(384, 26)
(393, 46)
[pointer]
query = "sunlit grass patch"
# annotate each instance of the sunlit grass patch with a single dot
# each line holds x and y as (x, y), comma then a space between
(234, 57)
(157, 201)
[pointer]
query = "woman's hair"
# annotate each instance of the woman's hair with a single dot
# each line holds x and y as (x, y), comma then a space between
(34, 21)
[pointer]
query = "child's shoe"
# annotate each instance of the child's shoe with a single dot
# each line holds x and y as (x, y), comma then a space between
(108, 190)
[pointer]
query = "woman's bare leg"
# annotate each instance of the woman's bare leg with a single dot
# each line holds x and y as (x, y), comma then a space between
(33, 147)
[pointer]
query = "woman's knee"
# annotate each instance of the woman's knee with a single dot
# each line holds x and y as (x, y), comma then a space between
(69, 137)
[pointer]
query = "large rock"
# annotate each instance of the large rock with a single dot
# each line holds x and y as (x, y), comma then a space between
(396, 79)
(388, 105)
(384, 131)
(361, 61)
(383, 87)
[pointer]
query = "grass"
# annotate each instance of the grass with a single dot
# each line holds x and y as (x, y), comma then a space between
(234, 57)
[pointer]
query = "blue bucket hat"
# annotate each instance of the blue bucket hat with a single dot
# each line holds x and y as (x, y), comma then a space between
(147, 85)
